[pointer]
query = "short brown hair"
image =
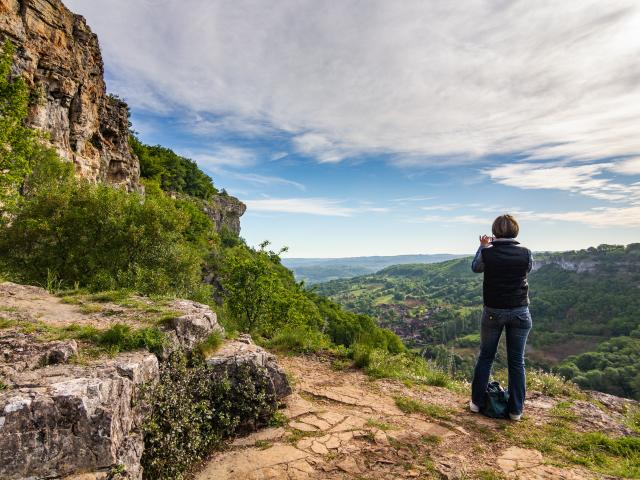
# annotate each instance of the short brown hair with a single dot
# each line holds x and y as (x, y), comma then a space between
(505, 226)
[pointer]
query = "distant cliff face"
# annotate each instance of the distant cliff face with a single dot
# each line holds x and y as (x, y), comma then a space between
(579, 266)
(59, 57)
(225, 211)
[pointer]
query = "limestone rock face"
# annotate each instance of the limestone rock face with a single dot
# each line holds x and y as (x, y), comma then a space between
(195, 324)
(65, 419)
(225, 211)
(59, 57)
(244, 352)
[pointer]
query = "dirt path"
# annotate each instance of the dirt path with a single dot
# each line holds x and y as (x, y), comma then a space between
(342, 425)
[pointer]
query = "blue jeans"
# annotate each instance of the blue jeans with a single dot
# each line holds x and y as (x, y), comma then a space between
(517, 323)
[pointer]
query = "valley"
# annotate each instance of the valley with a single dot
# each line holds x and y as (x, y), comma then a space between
(584, 304)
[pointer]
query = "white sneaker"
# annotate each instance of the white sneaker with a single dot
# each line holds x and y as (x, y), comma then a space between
(473, 407)
(514, 417)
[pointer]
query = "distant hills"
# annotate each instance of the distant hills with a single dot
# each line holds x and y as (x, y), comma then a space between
(316, 270)
(585, 306)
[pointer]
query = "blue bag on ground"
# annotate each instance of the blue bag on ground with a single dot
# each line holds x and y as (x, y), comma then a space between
(495, 405)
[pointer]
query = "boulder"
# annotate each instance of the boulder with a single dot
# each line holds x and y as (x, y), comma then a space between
(243, 351)
(62, 420)
(194, 325)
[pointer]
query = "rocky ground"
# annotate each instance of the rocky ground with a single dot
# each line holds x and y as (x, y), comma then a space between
(343, 425)
(70, 408)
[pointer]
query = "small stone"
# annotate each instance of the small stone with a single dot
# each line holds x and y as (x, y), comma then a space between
(349, 465)
(381, 438)
(320, 449)
(303, 427)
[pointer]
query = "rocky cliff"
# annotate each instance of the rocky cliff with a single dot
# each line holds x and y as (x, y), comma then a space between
(225, 211)
(59, 57)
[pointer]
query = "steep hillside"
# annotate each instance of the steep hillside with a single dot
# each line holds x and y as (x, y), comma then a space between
(584, 304)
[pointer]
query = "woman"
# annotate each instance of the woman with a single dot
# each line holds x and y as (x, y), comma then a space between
(505, 290)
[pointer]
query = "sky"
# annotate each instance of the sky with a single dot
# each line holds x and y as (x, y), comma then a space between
(372, 127)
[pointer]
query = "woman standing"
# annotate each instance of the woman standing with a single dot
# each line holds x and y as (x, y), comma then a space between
(505, 290)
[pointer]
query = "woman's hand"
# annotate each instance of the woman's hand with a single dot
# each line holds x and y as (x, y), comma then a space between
(485, 240)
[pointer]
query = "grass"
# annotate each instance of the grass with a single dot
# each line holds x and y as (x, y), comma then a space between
(118, 338)
(379, 425)
(430, 439)
(299, 340)
(340, 364)
(411, 405)
(263, 444)
(89, 308)
(405, 367)
(111, 296)
(488, 475)
(3, 386)
(632, 418)
(7, 323)
(616, 456)
(296, 435)
(548, 383)
(210, 344)
(278, 419)
(72, 300)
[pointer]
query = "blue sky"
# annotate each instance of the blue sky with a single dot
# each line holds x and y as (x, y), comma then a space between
(378, 128)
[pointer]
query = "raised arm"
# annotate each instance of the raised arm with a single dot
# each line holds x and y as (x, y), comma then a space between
(477, 265)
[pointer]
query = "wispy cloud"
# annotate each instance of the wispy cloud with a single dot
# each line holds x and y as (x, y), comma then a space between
(229, 156)
(311, 206)
(583, 179)
(263, 179)
(629, 166)
(449, 219)
(430, 83)
(600, 217)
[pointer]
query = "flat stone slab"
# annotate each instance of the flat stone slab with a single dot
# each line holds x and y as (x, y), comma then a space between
(241, 464)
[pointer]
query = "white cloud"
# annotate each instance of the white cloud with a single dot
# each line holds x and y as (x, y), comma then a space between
(630, 166)
(311, 206)
(601, 217)
(444, 207)
(584, 179)
(470, 219)
(430, 82)
(263, 179)
(224, 156)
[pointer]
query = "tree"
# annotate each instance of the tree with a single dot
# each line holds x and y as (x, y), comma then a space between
(19, 145)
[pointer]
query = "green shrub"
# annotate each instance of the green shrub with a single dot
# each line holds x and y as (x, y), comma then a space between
(192, 409)
(173, 172)
(104, 238)
(210, 344)
(361, 355)
(123, 338)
